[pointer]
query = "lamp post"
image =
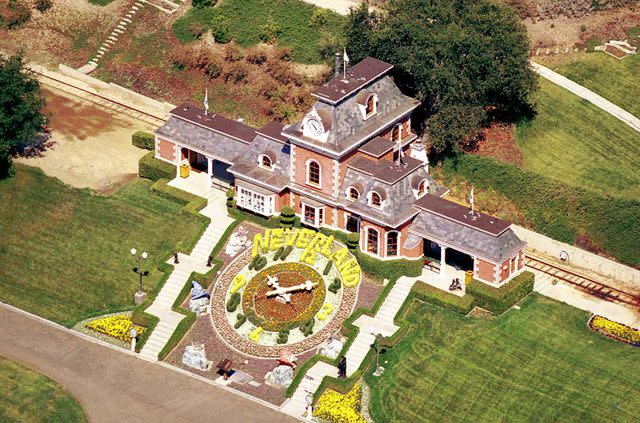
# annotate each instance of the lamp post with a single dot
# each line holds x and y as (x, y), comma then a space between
(140, 295)
(379, 369)
(134, 334)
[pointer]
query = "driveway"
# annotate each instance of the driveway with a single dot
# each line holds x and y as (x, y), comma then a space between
(113, 386)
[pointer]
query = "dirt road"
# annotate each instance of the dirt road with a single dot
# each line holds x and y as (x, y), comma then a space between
(92, 143)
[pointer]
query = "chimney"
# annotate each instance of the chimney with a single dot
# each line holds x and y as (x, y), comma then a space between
(419, 152)
(337, 65)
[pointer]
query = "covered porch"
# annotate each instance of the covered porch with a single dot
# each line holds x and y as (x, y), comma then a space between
(199, 168)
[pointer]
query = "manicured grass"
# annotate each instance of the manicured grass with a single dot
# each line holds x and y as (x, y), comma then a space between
(27, 396)
(246, 18)
(540, 363)
(100, 2)
(616, 80)
(64, 253)
(577, 143)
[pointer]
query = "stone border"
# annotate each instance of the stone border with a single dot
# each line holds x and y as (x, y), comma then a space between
(222, 327)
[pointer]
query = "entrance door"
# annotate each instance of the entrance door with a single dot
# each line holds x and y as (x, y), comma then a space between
(198, 161)
(353, 223)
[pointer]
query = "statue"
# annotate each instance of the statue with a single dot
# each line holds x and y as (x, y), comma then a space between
(194, 356)
(199, 298)
(282, 375)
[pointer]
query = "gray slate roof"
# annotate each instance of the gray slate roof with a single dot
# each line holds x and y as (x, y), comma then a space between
(348, 128)
(466, 238)
(219, 146)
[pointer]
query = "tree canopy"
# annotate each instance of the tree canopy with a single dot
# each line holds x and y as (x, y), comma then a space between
(465, 60)
(20, 105)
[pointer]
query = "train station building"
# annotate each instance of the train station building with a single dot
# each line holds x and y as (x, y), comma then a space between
(353, 164)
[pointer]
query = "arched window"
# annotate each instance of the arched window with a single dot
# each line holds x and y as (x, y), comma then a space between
(353, 194)
(372, 241)
(392, 244)
(422, 188)
(371, 105)
(265, 162)
(375, 200)
(396, 133)
(313, 173)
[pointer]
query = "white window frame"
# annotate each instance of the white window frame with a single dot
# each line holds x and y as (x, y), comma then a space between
(366, 241)
(426, 188)
(256, 202)
(370, 200)
(375, 106)
(397, 125)
(308, 168)
(347, 193)
(318, 215)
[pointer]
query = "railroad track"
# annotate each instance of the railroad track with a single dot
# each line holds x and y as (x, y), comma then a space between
(102, 101)
(595, 288)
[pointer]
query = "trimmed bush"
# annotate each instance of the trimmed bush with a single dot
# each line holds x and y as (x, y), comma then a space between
(283, 336)
(151, 168)
(230, 194)
(260, 263)
(307, 327)
(328, 267)
(287, 216)
(389, 269)
(241, 318)
(143, 140)
(442, 298)
(286, 252)
(499, 300)
(278, 253)
(335, 285)
(353, 241)
(234, 302)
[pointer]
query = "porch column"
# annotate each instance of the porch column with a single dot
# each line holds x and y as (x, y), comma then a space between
(210, 171)
(443, 250)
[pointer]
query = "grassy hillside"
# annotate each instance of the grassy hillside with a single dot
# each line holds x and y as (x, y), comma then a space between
(302, 27)
(64, 253)
(616, 80)
(29, 397)
(540, 363)
(577, 143)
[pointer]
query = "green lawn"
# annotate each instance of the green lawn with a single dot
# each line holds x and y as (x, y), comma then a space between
(573, 141)
(247, 18)
(27, 396)
(64, 253)
(616, 80)
(540, 363)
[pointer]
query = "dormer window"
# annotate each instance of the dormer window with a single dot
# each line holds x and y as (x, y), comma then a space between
(422, 188)
(372, 105)
(375, 200)
(353, 194)
(266, 161)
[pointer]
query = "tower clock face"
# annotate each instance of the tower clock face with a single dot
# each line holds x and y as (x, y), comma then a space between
(314, 127)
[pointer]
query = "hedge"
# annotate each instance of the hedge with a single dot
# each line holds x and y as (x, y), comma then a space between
(151, 168)
(499, 300)
(143, 140)
(443, 299)
(558, 210)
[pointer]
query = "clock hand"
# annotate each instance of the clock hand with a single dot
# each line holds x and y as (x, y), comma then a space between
(284, 290)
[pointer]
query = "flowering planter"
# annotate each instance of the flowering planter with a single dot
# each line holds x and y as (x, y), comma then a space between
(615, 330)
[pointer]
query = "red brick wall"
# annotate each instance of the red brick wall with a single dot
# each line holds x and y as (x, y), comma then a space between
(282, 199)
(406, 128)
(485, 270)
(504, 270)
(326, 169)
(166, 150)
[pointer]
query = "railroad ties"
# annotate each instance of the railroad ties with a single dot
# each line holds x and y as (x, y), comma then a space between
(597, 289)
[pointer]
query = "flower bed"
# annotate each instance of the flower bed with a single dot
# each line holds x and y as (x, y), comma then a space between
(334, 407)
(117, 326)
(273, 315)
(615, 330)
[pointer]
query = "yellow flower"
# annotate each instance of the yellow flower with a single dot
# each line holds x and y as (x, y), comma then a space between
(618, 330)
(118, 326)
(334, 407)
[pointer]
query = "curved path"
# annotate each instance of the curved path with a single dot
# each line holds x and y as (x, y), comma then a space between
(113, 386)
(588, 95)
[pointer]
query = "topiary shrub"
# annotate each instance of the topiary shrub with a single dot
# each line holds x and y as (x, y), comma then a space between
(240, 319)
(143, 140)
(234, 302)
(260, 263)
(151, 168)
(287, 216)
(335, 285)
(220, 29)
(446, 300)
(286, 252)
(353, 241)
(252, 264)
(283, 336)
(278, 253)
(307, 327)
(328, 267)
(230, 194)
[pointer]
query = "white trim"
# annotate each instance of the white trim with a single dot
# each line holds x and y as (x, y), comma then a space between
(268, 201)
(306, 176)
(261, 166)
(316, 214)
(346, 193)
(366, 238)
(370, 200)
(399, 140)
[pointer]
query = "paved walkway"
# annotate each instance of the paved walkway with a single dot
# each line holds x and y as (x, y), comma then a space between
(587, 94)
(574, 297)
(381, 324)
(113, 386)
(216, 210)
